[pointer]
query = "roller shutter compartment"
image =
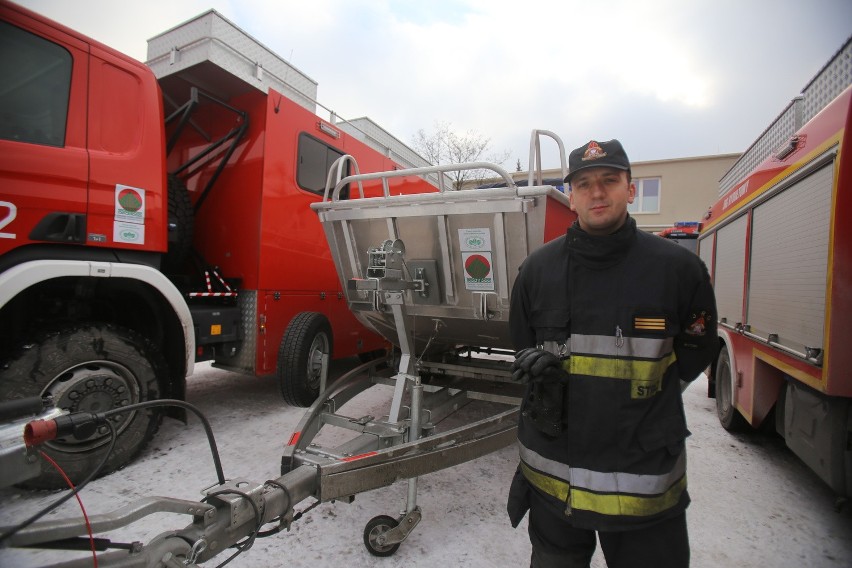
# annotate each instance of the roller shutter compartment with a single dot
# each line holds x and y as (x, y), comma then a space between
(730, 270)
(789, 263)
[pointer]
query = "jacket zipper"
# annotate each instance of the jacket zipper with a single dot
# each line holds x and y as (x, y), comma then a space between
(568, 508)
(619, 343)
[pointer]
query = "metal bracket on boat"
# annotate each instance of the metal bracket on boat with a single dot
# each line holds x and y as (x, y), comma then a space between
(484, 306)
(386, 273)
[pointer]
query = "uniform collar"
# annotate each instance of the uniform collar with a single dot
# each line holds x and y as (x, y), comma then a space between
(601, 251)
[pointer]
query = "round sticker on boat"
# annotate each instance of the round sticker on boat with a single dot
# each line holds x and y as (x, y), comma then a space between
(477, 271)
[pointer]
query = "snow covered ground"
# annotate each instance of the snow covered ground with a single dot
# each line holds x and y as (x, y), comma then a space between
(754, 503)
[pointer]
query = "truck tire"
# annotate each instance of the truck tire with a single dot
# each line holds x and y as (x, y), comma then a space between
(729, 416)
(306, 343)
(88, 368)
(181, 224)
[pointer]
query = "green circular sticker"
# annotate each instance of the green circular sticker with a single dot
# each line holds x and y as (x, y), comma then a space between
(477, 266)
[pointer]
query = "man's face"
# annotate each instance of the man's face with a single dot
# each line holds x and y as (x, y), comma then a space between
(600, 197)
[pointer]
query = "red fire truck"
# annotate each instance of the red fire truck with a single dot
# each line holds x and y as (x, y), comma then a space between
(155, 216)
(683, 233)
(778, 244)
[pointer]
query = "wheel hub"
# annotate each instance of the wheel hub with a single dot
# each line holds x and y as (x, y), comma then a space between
(318, 350)
(93, 387)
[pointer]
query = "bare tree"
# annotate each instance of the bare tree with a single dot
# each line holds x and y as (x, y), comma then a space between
(444, 146)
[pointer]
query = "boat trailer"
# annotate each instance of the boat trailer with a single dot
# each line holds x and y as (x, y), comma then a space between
(430, 272)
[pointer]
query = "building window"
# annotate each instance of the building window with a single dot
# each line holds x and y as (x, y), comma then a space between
(647, 196)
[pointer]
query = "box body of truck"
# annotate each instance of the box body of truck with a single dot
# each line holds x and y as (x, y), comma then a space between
(779, 249)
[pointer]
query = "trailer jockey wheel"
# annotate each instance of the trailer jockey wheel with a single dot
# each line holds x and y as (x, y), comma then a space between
(374, 533)
(304, 357)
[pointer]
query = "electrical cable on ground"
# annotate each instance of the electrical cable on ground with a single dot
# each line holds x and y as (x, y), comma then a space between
(79, 501)
(102, 418)
(64, 498)
(217, 463)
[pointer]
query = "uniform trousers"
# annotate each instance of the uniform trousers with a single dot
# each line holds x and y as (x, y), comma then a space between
(556, 544)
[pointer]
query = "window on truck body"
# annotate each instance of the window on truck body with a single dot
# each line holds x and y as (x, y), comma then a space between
(315, 160)
(35, 82)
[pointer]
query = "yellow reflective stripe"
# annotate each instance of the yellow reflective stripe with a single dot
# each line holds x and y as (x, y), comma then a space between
(547, 466)
(606, 503)
(619, 368)
(631, 505)
(549, 485)
(604, 481)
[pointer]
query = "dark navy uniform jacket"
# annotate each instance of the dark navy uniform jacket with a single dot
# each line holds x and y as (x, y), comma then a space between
(632, 315)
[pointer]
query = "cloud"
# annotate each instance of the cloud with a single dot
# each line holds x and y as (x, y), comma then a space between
(673, 78)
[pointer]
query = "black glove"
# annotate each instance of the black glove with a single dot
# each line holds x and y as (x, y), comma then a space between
(535, 365)
(547, 399)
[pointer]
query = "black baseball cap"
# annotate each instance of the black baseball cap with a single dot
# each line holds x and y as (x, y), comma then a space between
(594, 154)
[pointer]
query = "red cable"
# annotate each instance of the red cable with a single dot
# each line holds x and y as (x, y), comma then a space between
(80, 501)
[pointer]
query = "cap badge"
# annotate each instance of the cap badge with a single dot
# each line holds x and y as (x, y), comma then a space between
(593, 152)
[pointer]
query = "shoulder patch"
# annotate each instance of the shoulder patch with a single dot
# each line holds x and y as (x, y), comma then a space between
(698, 323)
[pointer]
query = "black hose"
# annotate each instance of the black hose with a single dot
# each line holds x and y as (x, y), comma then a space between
(217, 463)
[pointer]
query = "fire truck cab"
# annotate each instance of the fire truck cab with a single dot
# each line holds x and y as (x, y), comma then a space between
(154, 215)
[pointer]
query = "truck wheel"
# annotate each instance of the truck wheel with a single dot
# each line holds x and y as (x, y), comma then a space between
(181, 223)
(88, 368)
(729, 417)
(304, 354)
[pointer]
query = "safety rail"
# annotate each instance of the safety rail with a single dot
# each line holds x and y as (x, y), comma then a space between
(534, 176)
(338, 167)
(336, 181)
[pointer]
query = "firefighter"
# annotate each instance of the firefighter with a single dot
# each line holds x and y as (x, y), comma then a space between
(609, 322)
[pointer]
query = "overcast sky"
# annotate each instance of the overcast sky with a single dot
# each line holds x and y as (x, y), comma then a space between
(669, 78)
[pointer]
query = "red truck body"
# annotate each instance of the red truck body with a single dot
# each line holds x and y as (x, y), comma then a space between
(170, 216)
(779, 248)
